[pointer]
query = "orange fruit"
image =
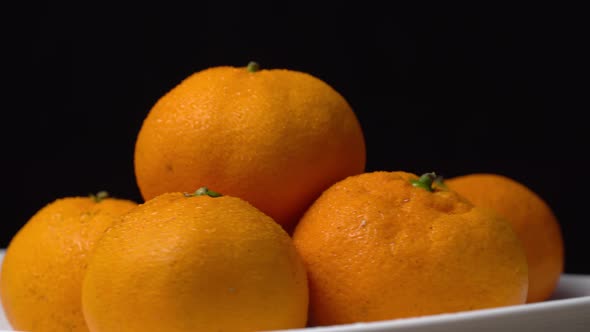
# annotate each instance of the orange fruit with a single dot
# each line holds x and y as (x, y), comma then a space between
(386, 245)
(184, 262)
(276, 138)
(532, 219)
(41, 279)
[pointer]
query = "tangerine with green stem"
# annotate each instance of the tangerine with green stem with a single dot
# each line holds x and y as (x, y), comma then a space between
(386, 245)
(274, 137)
(42, 271)
(199, 261)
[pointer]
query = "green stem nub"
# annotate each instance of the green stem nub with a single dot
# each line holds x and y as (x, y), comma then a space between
(99, 196)
(203, 191)
(425, 181)
(253, 66)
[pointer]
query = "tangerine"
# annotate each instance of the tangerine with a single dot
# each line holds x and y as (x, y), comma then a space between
(195, 262)
(385, 245)
(45, 261)
(533, 221)
(276, 138)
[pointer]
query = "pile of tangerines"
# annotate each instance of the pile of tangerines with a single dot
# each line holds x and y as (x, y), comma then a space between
(259, 215)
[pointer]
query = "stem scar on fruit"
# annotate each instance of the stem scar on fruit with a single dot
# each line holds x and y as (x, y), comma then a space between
(253, 66)
(203, 191)
(99, 196)
(427, 180)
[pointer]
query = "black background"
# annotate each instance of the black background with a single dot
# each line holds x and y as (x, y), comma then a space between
(448, 89)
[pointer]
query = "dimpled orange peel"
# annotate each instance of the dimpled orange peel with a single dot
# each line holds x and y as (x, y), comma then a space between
(532, 219)
(42, 271)
(385, 245)
(274, 137)
(195, 262)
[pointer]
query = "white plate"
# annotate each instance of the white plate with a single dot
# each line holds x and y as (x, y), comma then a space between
(568, 310)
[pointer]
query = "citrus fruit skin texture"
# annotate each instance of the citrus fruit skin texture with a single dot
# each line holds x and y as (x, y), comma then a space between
(199, 263)
(42, 271)
(376, 248)
(276, 138)
(532, 219)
